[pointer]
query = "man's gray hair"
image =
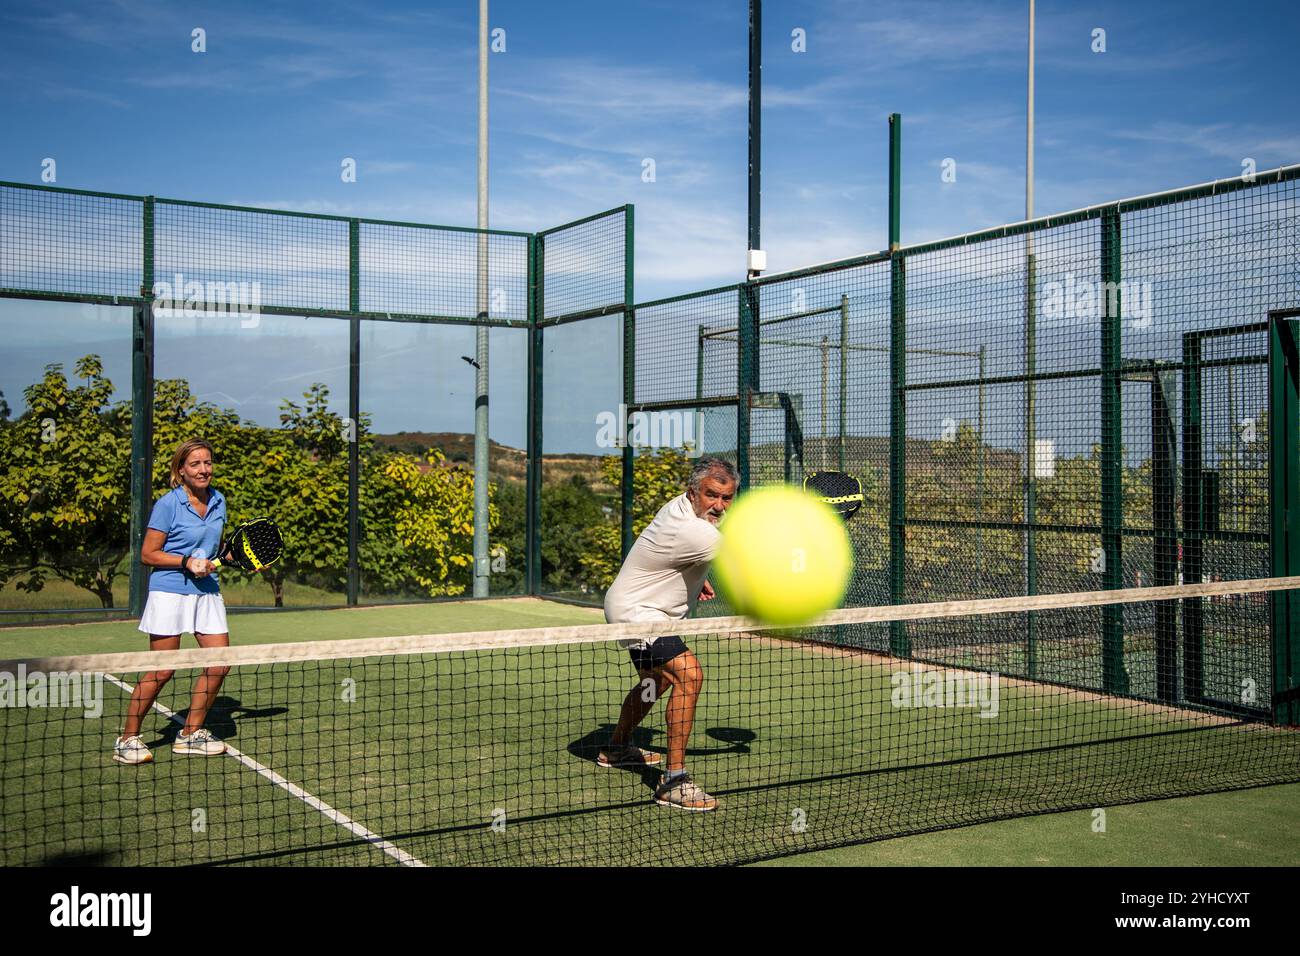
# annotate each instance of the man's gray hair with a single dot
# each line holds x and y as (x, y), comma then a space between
(718, 467)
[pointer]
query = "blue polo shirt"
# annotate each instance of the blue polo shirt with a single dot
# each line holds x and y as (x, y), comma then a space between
(187, 533)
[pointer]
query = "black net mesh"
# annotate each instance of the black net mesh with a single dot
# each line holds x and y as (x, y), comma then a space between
(492, 756)
(1078, 405)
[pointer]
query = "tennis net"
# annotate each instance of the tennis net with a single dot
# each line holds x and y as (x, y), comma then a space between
(480, 748)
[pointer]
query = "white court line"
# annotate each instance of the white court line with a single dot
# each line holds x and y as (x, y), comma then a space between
(342, 819)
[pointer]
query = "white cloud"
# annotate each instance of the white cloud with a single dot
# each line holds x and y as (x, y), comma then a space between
(1230, 141)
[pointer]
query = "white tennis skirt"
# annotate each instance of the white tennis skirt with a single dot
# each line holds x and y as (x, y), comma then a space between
(166, 614)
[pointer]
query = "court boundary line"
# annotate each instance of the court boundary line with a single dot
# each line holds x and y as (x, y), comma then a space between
(316, 803)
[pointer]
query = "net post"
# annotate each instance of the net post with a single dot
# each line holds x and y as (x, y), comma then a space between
(1114, 675)
(142, 373)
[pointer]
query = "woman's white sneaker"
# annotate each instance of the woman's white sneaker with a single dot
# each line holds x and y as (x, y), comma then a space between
(201, 743)
(131, 750)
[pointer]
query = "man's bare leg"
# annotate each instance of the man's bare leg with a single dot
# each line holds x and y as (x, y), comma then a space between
(685, 676)
(677, 789)
(640, 700)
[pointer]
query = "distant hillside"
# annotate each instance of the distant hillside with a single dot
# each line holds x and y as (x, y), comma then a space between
(861, 452)
(504, 463)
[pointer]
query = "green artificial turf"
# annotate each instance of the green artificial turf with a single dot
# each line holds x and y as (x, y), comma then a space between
(488, 757)
(1256, 827)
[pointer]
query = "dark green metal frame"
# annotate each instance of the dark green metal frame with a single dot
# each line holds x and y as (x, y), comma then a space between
(1114, 372)
(1200, 520)
(629, 381)
(143, 360)
(1284, 500)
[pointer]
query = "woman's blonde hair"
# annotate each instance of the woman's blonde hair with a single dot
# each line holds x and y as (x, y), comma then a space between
(183, 452)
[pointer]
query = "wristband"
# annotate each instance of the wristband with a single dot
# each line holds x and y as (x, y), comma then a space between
(185, 560)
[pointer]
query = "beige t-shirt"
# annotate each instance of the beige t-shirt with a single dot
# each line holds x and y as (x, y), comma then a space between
(664, 571)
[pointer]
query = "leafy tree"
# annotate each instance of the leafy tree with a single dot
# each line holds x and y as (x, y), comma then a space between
(434, 521)
(254, 468)
(310, 495)
(318, 430)
(570, 510)
(508, 542)
(65, 484)
(657, 477)
(65, 490)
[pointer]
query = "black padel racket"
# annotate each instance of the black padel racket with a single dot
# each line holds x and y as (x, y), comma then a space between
(842, 492)
(253, 546)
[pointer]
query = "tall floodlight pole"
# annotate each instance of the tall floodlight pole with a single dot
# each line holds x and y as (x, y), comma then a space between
(756, 261)
(1031, 363)
(482, 566)
(747, 370)
(1029, 128)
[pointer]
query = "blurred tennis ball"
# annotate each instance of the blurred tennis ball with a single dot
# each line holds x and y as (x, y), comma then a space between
(784, 557)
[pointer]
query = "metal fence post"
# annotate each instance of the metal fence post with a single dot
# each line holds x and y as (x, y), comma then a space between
(354, 412)
(1114, 674)
(142, 416)
(533, 481)
(629, 380)
(899, 644)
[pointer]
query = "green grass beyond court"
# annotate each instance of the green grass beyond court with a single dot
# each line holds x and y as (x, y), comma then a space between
(801, 744)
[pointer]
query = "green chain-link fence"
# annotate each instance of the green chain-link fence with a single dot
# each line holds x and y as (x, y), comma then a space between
(328, 359)
(1077, 403)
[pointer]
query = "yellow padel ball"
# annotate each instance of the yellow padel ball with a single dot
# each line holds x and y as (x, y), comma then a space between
(785, 556)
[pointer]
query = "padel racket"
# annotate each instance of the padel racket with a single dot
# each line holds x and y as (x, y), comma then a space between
(253, 546)
(842, 492)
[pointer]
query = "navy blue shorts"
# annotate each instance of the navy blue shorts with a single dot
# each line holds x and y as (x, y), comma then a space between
(659, 653)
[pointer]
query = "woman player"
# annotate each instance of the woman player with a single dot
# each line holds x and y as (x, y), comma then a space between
(184, 596)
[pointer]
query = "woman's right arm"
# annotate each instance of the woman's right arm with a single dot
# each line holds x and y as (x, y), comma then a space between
(152, 554)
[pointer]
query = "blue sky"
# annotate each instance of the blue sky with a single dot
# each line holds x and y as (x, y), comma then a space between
(586, 91)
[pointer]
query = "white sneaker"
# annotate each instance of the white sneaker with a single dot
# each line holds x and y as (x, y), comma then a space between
(131, 750)
(201, 743)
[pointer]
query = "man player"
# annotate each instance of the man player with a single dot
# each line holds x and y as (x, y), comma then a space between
(661, 580)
